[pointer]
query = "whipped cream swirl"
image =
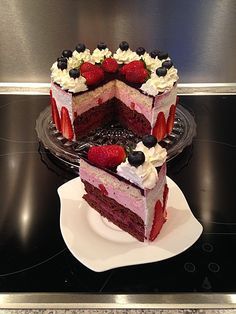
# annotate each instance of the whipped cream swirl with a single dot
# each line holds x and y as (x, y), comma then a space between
(73, 85)
(145, 175)
(151, 63)
(156, 84)
(155, 155)
(82, 56)
(58, 75)
(125, 56)
(99, 55)
(73, 63)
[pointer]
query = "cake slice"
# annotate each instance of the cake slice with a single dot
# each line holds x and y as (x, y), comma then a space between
(130, 190)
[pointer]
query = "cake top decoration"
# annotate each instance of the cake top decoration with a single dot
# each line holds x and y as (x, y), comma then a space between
(138, 166)
(153, 72)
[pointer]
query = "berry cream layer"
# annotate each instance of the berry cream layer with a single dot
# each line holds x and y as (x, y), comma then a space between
(145, 83)
(128, 190)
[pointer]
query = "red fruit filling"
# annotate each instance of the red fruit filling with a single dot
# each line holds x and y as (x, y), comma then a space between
(66, 127)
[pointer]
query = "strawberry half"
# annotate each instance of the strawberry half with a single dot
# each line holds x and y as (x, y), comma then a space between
(171, 119)
(110, 65)
(66, 127)
(159, 130)
(103, 189)
(93, 76)
(165, 196)
(107, 156)
(55, 114)
(86, 67)
(157, 221)
(138, 75)
(136, 64)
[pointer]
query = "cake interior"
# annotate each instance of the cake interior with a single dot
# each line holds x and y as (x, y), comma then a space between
(112, 111)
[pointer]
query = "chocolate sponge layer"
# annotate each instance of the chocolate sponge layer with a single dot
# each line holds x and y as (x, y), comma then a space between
(114, 212)
(109, 112)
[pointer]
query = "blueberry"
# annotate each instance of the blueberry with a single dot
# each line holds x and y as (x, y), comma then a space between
(167, 64)
(101, 46)
(124, 45)
(162, 55)
(154, 53)
(61, 65)
(140, 51)
(136, 158)
(74, 73)
(161, 71)
(149, 141)
(80, 47)
(63, 59)
(67, 53)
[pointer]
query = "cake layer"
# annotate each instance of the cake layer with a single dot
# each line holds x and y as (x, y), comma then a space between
(90, 99)
(114, 212)
(94, 118)
(132, 120)
(123, 192)
(112, 111)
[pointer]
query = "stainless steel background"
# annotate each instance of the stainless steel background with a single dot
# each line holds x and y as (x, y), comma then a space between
(200, 35)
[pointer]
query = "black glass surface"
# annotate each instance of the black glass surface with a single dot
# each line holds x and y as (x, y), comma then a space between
(33, 255)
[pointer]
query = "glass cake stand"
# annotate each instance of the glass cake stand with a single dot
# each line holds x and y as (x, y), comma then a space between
(69, 152)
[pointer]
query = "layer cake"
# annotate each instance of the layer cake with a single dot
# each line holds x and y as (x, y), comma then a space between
(92, 89)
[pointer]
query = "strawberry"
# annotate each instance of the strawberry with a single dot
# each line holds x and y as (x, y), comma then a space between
(66, 127)
(106, 156)
(55, 114)
(171, 119)
(159, 130)
(50, 92)
(86, 66)
(99, 71)
(94, 76)
(136, 64)
(157, 221)
(165, 196)
(138, 75)
(103, 189)
(177, 100)
(110, 65)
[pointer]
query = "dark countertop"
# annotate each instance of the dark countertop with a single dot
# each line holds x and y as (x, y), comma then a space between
(34, 257)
